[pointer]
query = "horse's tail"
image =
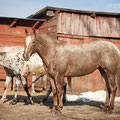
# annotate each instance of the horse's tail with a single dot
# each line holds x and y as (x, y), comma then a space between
(118, 77)
(118, 84)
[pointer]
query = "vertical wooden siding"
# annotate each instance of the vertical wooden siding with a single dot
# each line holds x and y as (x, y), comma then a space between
(85, 25)
(49, 27)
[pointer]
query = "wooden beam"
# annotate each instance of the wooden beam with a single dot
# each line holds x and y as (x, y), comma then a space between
(13, 23)
(35, 25)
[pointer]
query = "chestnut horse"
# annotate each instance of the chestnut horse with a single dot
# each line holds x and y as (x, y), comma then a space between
(62, 59)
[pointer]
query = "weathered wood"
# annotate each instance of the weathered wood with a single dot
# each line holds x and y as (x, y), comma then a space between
(81, 24)
(35, 25)
(13, 23)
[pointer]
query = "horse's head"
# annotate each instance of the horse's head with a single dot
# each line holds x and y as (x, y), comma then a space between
(29, 44)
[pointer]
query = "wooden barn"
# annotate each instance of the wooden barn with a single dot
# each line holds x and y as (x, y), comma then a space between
(78, 27)
(12, 33)
(73, 26)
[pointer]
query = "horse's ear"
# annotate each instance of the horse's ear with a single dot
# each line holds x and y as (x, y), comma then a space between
(34, 32)
(26, 31)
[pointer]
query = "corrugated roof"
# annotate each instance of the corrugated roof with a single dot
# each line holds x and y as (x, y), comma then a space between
(28, 22)
(28, 19)
(43, 11)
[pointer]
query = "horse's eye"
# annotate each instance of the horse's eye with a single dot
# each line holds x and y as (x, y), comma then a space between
(33, 41)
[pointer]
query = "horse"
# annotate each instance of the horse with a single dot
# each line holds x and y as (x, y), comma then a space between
(12, 61)
(62, 59)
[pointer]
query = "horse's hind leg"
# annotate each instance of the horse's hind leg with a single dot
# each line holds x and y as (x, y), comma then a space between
(111, 78)
(12, 84)
(108, 91)
(17, 85)
(33, 83)
(50, 90)
(8, 79)
(64, 91)
(118, 84)
(47, 95)
(24, 82)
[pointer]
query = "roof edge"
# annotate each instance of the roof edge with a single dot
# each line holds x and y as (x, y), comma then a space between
(44, 10)
(23, 18)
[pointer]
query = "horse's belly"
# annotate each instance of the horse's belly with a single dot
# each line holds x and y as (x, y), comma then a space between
(75, 71)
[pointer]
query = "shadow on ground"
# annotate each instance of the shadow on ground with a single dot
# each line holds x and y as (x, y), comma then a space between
(38, 100)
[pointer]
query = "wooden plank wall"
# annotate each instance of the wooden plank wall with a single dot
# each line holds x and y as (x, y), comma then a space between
(85, 25)
(49, 27)
(11, 36)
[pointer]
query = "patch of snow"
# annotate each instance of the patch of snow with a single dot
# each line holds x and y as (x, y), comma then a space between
(90, 96)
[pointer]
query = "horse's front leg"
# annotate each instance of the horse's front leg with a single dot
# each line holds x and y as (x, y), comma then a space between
(47, 95)
(113, 91)
(59, 83)
(24, 82)
(50, 90)
(8, 79)
(55, 105)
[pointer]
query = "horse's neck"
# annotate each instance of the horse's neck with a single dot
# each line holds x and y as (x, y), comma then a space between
(46, 50)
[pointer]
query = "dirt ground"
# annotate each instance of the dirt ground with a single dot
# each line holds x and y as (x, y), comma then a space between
(72, 110)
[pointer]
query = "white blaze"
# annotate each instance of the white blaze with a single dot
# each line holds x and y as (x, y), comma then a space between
(27, 42)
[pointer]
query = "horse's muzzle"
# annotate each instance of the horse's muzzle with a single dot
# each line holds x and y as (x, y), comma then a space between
(26, 57)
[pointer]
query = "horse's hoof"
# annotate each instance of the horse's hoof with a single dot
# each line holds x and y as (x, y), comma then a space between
(58, 112)
(53, 111)
(41, 103)
(33, 91)
(13, 102)
(109, 111)
(32, 103)
(104, 109)
(29, 101)
(1, 102)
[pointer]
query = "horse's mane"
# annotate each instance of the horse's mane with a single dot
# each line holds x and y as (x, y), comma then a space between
(46, 37)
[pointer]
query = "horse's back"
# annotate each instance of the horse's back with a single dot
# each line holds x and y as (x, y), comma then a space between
(89, 56)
